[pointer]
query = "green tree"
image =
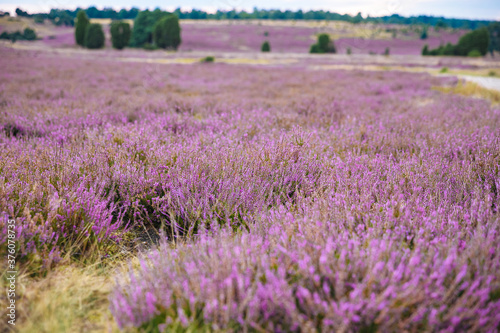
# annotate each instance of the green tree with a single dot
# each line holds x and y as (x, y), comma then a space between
(167, 32)
(81, 27)
(94, 36)
(120, 34)
(494, 30)
(144, 25)
(478, 39)
(266, 47)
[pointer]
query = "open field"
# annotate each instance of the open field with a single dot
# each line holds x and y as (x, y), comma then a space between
(284, 36)
(146, 191)
(283, 195)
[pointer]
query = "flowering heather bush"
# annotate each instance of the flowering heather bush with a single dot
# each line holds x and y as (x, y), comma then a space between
(287, 199)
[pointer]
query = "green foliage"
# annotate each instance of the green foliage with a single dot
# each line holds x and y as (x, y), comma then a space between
(39, 19)
(425, 50)
(94, 36)
(474, 54)
(324, 45)
(349, 51)
(424, 35)
(266, 33)
(444, 70)
(81, 27)
(492, 73)
(387, 51)
(474, 42)
(478, 39)
(266, 47)
(167, 33)
(208, 59)
(494, 31)
(314, 49)
(120, 34)
(27, 34)
(144, 25)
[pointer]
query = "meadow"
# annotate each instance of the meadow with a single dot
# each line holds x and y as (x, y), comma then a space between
(280, 196)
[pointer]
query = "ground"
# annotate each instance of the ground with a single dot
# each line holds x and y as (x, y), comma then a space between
(268, 192)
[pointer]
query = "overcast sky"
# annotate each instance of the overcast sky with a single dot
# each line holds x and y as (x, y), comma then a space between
(473, 9)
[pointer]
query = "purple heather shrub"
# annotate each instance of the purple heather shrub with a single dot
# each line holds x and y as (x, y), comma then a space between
(287, 198)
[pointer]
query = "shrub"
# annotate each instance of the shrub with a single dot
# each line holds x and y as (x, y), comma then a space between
(208, 59)
(423, 35)
(38, 19)
(425, 50)
(144, 24)
(266, 47)
(444, 70)
(387, 51)
(314, 49)
(492, 73)
(120, 34)
(474, 54)
(478, 39)
(266, 33)
(94, 36)
(167, 33)
(81, 27)
(29, 34)
(349, 51)
(324, 45)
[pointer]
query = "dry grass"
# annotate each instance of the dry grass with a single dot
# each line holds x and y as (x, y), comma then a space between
(473, 90)
(69, 299)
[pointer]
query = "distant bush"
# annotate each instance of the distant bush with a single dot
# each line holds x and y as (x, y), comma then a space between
(38, 19)
(266, 33)
(324, 45)
(266, 47)
(492, 73)
(143, 28)
(120, 34)
(425, 50)
(444, 70)
(94, 36)
(167, 33)
(387, 51)
(423, 35)
(478, 39)
(471, 43)
(474, 54)
(349, 51)
(28, 34)
(208, 59)
(81, 27)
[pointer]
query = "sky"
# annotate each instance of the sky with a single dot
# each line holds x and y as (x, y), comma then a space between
(471, 9)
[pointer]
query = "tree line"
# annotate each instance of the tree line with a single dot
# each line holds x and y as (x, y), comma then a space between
(66, 17)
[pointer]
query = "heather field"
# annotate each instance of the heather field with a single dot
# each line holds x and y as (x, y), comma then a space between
(283, 192)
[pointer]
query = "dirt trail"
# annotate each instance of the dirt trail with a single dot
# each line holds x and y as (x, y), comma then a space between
(486, 82)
